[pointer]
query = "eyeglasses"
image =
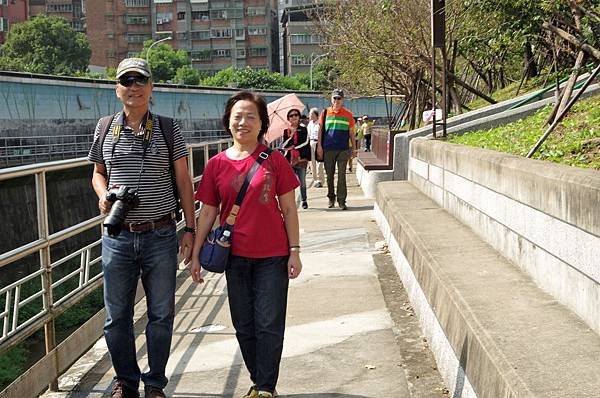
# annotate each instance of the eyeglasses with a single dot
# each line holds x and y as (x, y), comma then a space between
(294, 115)
(337, 98)
(128, 81)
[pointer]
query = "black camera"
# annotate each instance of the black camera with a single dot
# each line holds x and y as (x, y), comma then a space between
(124, 199)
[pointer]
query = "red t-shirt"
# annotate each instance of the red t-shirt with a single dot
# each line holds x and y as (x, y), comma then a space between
(259, 229)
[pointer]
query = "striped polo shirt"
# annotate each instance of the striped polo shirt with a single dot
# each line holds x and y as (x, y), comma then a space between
(155, 187)
(336, 135)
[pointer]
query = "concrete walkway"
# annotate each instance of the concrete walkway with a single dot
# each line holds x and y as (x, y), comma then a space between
(341, 339)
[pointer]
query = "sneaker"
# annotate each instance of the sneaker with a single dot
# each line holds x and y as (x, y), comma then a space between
(318, 185)
(252, 392)
(331, 204)
(344, 207)
(264, 394)
(153, 392)
(120, 390)
(304, 204)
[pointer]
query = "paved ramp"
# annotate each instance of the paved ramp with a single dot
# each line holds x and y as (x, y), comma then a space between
(339, 339)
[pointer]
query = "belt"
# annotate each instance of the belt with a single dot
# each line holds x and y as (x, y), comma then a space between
(148, 225)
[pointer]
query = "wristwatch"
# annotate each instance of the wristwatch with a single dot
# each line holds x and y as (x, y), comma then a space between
(190, 230)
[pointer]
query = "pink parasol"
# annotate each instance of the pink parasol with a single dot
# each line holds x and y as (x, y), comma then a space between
(278, 110)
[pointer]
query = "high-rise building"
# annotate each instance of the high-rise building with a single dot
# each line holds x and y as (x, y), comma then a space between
(11, 12)
(300, 44)
(71, 10)
(215, 34)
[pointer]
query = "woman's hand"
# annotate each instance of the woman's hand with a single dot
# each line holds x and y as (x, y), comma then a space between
(195, 270)
(294, 265)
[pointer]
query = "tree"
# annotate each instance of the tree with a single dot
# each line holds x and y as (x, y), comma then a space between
(187, 75)
(47, 45)
(253, 79)
(164, 60)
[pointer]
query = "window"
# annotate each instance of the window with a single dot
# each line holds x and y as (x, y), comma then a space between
(218, 14)
(222, 53)
(138, 38)
(239, 34)
(252, 11)
(200, 35)
(300, 59)
(181, 16)
(201, 55)
(162, 1)
(257, 30)
(136, 19)
(258, 52)
(59, 8)
(220, 33)
(181, 35)
(163, 17)
(305, 38)
(200, 15)
(137, 3)
(240, 53)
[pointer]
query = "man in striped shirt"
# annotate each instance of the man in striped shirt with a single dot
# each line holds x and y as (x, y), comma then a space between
(336, 145)
(135, 153)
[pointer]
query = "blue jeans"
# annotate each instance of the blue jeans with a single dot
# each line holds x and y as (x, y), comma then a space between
(257, 290)
(153, 256)
(301, 173)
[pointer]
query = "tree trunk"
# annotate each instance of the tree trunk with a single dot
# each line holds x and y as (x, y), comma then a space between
(530, 64)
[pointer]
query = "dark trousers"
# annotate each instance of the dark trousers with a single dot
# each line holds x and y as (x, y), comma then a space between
(332, 158)
(257, 290)
(367, 142)
(153, 257)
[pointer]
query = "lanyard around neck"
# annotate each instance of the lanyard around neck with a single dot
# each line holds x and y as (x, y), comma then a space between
(119, 126)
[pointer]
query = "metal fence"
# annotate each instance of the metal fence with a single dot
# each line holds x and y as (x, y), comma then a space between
(22, 150)
(15, 329)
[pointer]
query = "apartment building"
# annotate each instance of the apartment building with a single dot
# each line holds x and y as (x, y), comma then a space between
(300, 44)
(11, 12)
(215, 34)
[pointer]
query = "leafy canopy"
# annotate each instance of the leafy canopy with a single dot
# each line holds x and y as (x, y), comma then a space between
(46, 45)
(253, 79)
(164, 60)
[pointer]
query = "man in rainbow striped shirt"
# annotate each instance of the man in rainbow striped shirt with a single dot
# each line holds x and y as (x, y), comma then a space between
(335, 145)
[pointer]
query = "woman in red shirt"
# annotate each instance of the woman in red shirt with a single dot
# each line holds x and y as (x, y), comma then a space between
(265, 251)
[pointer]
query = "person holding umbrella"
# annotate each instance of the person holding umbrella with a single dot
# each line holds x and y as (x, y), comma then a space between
(261, 264)
(297, 150)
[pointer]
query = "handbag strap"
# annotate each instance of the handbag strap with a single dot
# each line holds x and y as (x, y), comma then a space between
(240, 196)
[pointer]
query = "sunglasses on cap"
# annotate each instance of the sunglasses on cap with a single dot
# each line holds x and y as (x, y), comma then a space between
(128, 81)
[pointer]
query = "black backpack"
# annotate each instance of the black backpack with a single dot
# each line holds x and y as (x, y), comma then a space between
(166, 128)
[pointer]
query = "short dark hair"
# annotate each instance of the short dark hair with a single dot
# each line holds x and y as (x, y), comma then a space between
(293, 111)
(261, 106)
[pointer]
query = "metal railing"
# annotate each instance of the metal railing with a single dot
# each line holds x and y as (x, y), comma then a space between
(21, 150)
(15, 330)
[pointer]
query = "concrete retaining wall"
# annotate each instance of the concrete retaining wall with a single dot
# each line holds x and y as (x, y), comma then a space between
(542, 216)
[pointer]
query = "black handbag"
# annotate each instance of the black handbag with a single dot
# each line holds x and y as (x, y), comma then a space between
(215, 253)
(321, 132)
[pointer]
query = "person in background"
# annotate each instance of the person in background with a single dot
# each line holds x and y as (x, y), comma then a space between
(297, 150)
(303, 120)
(366, 131)
(357, 141)
(261, 264)
(313, 134)
(146, 247)
(333, 146)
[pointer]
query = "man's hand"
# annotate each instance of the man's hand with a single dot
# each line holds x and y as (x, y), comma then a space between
(185, 247)
(320, 151)
(104, 205)
(195, 270)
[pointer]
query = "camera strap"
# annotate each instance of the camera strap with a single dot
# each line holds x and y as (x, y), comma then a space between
(119, 126)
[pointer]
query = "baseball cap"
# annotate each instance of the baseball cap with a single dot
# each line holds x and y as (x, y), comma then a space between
(138, 65)
(338, 92)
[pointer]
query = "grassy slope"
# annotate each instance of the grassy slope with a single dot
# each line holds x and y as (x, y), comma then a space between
(575, 142)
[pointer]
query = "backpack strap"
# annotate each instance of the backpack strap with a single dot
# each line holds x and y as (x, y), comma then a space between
(105, 123)
(166, 128)
(323, 125)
